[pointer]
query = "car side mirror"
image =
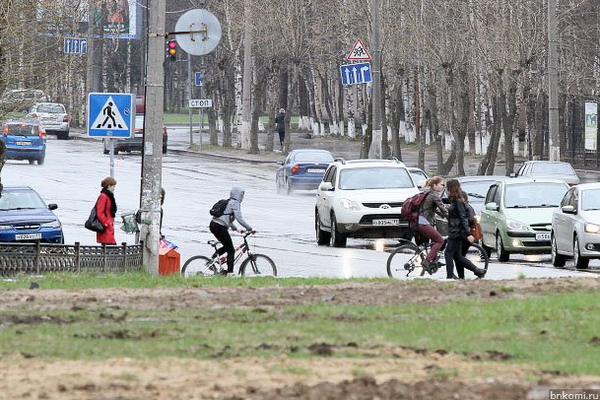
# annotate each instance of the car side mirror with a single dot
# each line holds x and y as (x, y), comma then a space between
(568, 209)
(52, 206)
(492, 206)
(325, 186)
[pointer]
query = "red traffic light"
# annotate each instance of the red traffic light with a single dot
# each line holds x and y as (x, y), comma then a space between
(172, 49)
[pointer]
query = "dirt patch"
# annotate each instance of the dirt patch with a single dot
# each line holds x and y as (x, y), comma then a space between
(379, 372)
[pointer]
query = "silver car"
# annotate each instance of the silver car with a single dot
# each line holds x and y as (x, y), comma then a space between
(549, 169)
(576, 226)
(52, 117)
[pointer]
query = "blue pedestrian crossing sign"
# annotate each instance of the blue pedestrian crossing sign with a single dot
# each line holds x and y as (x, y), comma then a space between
(353, 74)
(111, 115)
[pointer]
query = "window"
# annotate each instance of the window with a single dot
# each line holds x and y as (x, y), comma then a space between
(375, 178)
(491, 193)
(590, 199)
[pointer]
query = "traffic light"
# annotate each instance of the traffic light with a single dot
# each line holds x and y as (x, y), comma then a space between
(172, 50)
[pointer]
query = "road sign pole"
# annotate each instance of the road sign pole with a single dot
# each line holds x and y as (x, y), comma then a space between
(190, 111)
(111, 146)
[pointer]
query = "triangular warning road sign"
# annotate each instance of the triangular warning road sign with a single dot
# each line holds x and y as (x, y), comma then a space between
(110, 117)
(359, 52)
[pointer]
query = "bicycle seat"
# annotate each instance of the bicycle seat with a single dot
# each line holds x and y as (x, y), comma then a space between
(213, 242)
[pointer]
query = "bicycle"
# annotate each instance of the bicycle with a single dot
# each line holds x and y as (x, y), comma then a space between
(260, 264)
(409, 257)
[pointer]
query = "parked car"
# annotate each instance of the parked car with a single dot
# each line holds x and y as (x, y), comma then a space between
(419, 176)
(576, 226)
(362, 199)
(549, 169)
(302, 169)
(24, 140)
(25, 217)
(476, 187)
(135, 143)
(517, 217)
(21, 99)
(52, 117)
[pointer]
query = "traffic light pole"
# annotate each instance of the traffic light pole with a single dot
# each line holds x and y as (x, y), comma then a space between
(152, 150)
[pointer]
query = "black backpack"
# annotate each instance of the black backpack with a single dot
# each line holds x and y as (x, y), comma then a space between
(218, 209)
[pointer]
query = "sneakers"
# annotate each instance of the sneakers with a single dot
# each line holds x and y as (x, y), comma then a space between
(224, 272)
(480, 273)
(430, 267)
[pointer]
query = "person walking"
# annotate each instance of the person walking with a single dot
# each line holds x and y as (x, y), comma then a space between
(280, 126)
(219, 226)
(431, 206)
(459, 231)
(106, 209)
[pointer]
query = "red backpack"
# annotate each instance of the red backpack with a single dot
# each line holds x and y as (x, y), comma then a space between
(412, 207)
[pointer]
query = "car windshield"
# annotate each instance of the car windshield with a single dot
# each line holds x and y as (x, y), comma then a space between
(21, 130)
(590, 199)
(534, 195)
(476, 190)
(51, 108)
(551, 168)
(20, 200)
(313, 158)
(375, 178)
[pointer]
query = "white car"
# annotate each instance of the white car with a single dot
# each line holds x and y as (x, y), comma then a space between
(362, 199)
(576, 226)
(52, 117)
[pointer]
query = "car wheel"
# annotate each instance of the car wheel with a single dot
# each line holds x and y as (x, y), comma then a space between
(323, 237)
(503, 255)
(558, 260)
(288, 187)
(337, 239)
(106, 151)
(580, 262)
(40, 161)
(31, 161)
(62, 135)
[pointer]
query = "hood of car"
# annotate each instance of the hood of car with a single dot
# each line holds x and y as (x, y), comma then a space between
(531, 215)
(25, 216)
(379, 195)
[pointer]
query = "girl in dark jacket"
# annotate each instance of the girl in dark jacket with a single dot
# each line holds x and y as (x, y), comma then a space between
(458, 232)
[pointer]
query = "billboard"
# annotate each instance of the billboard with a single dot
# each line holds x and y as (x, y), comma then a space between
(118, 19)
(591, 126)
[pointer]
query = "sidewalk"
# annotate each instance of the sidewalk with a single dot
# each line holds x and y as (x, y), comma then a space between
(340, 147)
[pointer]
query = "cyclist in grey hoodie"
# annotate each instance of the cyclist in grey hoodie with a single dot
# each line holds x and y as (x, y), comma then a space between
(219, 226)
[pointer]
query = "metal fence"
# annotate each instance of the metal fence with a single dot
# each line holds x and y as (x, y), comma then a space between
(38, 258)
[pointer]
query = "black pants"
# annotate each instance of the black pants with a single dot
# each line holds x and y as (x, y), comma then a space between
(454, 253)
(281, 137)
(222, 234)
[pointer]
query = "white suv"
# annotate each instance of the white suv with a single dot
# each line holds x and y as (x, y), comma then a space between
(52, 117)
(362, 199)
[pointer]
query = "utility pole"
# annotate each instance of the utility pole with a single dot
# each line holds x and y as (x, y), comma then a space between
(152, 151)
(375, 150)
(553, 132)
(247, 77)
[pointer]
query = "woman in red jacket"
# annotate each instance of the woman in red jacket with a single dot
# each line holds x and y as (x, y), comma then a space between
(106, 209)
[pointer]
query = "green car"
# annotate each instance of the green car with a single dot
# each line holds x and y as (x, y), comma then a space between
(517, 215)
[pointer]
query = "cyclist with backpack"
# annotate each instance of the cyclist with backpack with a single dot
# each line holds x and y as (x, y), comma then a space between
(432, 204)
(223, 220)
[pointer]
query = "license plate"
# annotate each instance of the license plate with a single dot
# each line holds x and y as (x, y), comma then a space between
(28, 236)
(542, 237)
(23, 143)
(315, 171)
(386, 222)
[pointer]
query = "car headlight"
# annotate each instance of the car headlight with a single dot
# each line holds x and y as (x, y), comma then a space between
(350, 205)
(591, 228)
(516, 225)
(53, 224)
(5, 227)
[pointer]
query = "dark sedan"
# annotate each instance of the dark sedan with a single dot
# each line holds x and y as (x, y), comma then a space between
(302, 169)
(25, 217)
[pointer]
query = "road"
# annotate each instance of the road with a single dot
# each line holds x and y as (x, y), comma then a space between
(73, 170)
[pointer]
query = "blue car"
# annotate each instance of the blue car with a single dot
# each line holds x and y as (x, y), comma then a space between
(24, 140)
(302, 169)
(25, 217)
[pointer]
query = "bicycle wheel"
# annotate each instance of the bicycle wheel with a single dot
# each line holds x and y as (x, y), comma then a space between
(405, 259)
(258, 265)
(197, 266)
(478, 256)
